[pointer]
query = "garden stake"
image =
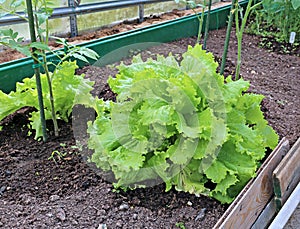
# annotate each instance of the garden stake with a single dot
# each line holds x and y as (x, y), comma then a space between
(207, 25)
(229, 26)
(36, 67)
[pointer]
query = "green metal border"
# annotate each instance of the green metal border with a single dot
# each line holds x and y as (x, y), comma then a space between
(14, 71)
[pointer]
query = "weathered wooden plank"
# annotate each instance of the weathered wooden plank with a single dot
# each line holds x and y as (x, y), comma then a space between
(271, 209)
(287, 210)
(287, 175)
(266, 216)
(248, 205)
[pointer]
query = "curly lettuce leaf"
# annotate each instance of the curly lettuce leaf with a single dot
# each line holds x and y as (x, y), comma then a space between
(180, 123)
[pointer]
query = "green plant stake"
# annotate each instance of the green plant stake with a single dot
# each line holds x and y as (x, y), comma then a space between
(207, 25)
(36, 67)
(227, 38)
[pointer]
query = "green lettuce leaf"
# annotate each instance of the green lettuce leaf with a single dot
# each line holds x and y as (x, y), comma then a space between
(68, 89)
(181, 124)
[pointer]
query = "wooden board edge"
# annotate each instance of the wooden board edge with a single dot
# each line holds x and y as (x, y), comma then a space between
(287, 175)
(282, 164)
(287, 210)
(282, 146)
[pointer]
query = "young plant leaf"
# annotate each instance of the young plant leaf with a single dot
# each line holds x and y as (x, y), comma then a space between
(40, 45)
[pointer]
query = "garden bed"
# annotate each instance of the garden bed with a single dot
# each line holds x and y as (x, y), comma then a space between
(37, 192)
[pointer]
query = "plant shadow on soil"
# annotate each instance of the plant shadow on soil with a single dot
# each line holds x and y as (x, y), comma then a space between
(67, 193)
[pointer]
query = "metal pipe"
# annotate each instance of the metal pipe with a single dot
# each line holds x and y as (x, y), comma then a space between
(73, 20)
(141, 13)
(82, 9)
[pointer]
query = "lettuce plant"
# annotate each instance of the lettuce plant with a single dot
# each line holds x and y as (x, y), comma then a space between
(181, 124)
(38, 19)
(68, 88)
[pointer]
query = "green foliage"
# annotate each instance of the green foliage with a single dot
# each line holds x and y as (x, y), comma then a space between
(180, 123)
(11, 7)
(76, 52)
(58, 155)
(37, 50)
(295, 4)
(277, 19)
(68, 88)
(10, 38)
(180, 225)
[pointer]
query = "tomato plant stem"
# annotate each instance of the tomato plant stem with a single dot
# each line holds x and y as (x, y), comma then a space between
(200, 19)
(240, 30)
(45, 66)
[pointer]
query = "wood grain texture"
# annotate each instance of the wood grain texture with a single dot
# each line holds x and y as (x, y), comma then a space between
(287, 175)
(248, 205)
(266, 216)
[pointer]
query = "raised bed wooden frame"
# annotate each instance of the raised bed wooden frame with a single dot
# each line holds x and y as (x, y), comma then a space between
(255, 196)
(265, 195)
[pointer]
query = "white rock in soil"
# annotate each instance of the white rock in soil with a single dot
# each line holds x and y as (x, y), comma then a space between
(135, 216)
(60, 214)
(102, 226)
(49, 214)
(189, 203)
(54, 197)
(124, 207)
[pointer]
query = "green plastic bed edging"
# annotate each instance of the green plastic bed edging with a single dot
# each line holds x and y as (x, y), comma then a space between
(15, 71)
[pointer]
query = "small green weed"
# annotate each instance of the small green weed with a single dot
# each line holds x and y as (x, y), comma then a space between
(57, 155)
(180, 225)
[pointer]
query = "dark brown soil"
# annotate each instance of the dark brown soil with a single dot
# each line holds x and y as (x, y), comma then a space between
(66, 193)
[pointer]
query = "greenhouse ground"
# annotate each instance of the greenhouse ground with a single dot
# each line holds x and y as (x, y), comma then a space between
(38, 193)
